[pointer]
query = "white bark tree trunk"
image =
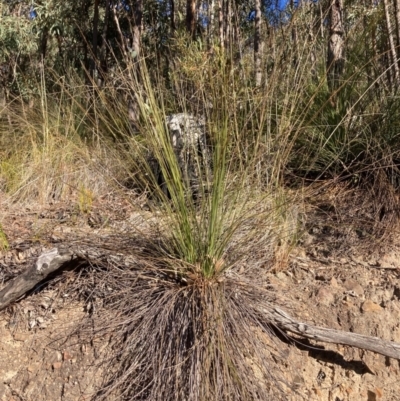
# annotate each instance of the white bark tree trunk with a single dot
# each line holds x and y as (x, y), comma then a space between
(391, 41)
(335, 62)
(257, 44)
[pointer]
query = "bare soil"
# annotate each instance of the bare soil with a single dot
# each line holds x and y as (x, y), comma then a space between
(333, 278)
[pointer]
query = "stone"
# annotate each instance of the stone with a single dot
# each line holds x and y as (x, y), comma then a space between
(67, 356)
(369, 306)
(353, 286)
(389, 260)
(325, 297)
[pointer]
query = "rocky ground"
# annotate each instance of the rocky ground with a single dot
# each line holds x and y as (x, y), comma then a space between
(333, 281)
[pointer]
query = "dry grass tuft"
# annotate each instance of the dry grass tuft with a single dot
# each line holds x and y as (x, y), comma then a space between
(195, 338)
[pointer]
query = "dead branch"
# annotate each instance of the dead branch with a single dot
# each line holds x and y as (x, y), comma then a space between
(285, 322)
(47, 263)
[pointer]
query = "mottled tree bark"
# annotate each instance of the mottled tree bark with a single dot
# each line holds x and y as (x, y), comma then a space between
(221, 22)
(391, 41)
(257, 43)
(335, 62)
(137, 27)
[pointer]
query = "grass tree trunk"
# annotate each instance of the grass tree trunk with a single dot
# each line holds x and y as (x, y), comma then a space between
(335, 61)
(257, 44)
(393, 52)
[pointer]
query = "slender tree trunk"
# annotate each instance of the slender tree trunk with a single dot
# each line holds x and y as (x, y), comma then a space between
(386, 63)
(137, 27)
(376, 59)
(93, 68)
(103, 48)
(312, 41)
(335, 61)
(191, 17)
(172, 11)
(236, 36)
(294, 33)
(227, 23)
(397, 10)
(367, 44)
(391, 42)
(124, 45)
(257, 43)
(43, 42)
(211, 22)
(322, 20)
(95, 28)
(221, 22)
(294, 28)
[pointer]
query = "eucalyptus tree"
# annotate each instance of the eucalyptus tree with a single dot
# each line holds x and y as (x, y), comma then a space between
(391, 38)
(335, 60)
(257, 43)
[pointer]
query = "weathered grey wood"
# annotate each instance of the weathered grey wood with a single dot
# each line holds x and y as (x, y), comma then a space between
(285, 322)
(47, 263)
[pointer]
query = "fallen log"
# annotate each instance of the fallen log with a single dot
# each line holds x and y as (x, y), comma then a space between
(53, 260)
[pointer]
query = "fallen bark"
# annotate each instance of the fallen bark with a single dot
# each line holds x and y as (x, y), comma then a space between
(49, 262)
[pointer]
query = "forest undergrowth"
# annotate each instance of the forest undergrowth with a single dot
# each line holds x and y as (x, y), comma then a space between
(189, 324)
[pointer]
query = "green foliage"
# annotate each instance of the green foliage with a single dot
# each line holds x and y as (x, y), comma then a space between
(15, 36)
